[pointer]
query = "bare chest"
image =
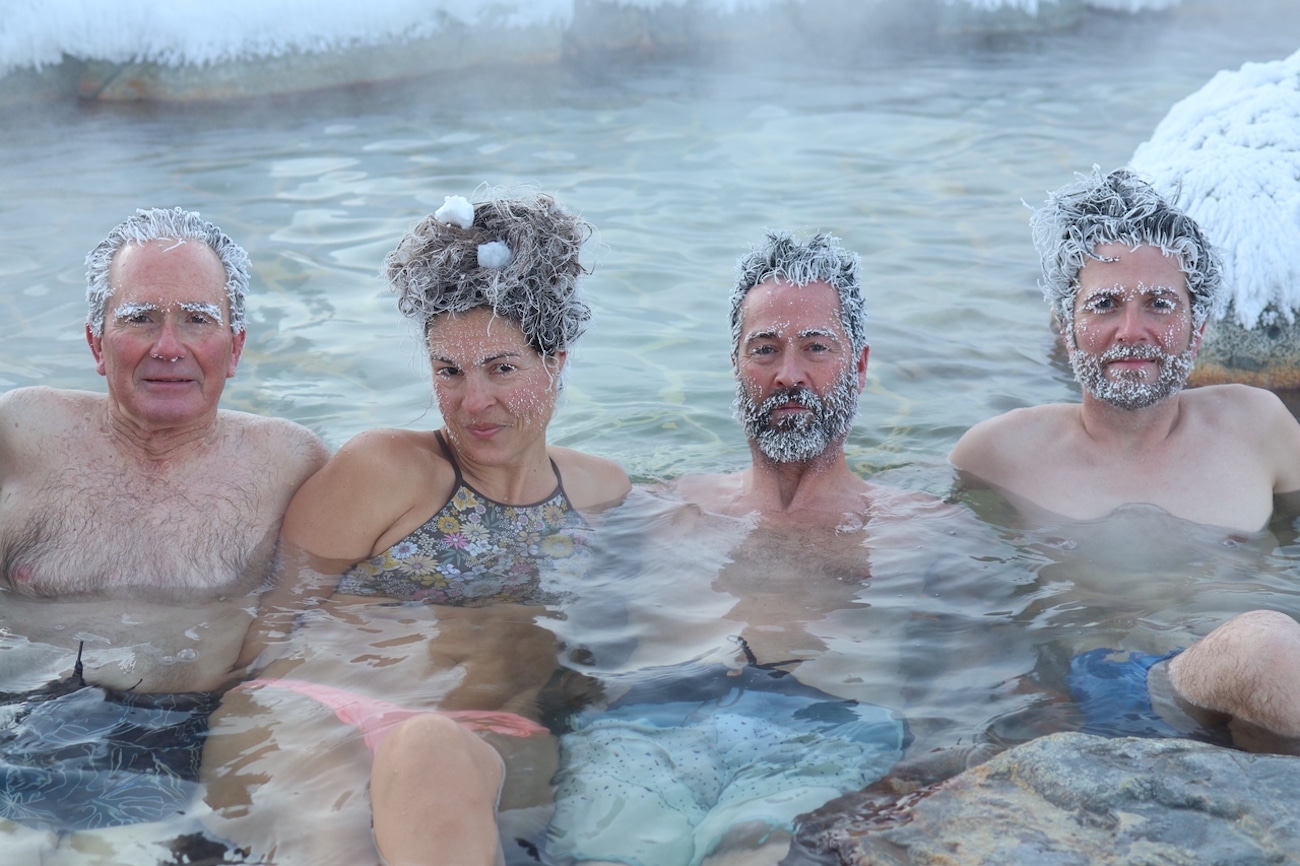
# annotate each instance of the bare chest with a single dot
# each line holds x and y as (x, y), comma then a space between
(94, 527)
(1219, 488)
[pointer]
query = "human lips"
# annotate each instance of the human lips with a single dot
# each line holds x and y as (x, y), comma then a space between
(480, 430)
(1131, 363)
(173, 379)
(789, 407)
(1133, 358)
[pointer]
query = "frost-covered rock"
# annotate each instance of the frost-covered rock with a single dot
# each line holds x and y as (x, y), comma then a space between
(1231, 152)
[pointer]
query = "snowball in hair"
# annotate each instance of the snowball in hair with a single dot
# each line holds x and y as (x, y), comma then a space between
(493, 254)
(455, 210)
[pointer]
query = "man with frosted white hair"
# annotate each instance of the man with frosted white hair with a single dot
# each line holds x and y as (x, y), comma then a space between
(1132, 283)
(137, 527)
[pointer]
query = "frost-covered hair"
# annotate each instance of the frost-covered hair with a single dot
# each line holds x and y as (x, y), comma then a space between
(1119, 208)
(435, 269)
(819, 259)
(157, 224)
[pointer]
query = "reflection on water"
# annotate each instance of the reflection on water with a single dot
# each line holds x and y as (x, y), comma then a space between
(916, 155)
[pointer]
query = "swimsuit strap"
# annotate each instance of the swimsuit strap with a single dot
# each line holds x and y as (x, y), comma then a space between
(451, 458)
(460, 479)
(774, 667)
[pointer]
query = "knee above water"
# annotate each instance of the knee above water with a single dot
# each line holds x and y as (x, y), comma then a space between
(424, 731)
(1269, 626)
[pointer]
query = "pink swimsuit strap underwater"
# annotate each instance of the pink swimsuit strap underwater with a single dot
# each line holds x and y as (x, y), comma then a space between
(375, 718)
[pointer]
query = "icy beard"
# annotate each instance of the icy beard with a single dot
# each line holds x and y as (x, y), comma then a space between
(1131, 389)
(799, 438)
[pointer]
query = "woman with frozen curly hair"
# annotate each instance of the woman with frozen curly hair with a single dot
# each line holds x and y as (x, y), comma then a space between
(474, 526)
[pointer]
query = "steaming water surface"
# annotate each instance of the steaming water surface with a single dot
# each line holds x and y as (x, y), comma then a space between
(917, 155)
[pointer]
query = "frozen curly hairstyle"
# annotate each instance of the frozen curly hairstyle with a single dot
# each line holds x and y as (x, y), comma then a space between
(436, 269)
(819, 259)
(156, 224)
(1119, 208)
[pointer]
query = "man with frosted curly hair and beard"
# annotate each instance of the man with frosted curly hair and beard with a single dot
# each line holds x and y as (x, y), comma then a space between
(1132, 282)
(745, 719)
(799, 352)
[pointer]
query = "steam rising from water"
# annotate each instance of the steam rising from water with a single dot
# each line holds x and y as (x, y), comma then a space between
(33, 35)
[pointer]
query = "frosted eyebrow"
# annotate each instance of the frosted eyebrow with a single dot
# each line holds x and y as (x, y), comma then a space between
(765, 334)
(479, 363)
(818, 332)
(1158, 290)
(212, 311)
(126, 311)
(482, 362)
(1106, 292)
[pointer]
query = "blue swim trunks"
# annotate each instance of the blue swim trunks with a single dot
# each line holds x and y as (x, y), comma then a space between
(661, 777)
(79, 757)
(1110, 687)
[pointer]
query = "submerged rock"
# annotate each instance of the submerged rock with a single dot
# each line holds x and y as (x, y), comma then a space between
(1078, 799)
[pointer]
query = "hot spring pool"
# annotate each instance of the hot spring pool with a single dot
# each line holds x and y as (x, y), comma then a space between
(918, 154)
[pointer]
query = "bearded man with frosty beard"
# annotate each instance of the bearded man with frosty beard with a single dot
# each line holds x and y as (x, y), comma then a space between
(799, 352)
(1132, 282)
(774, 561)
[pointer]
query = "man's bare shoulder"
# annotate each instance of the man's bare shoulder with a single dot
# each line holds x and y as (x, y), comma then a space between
(591, 482)
(1244, 403)
(712, 492)
(1242, 418)
(37, 423)
(898, 502)
(991, 444)
(287, 444)
(51, 403)
(1250, 424)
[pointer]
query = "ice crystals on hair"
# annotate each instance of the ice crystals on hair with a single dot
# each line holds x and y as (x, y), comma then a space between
(494, 254)
(456, 210)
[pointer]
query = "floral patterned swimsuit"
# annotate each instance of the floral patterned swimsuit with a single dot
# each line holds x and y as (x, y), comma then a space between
(476, 552)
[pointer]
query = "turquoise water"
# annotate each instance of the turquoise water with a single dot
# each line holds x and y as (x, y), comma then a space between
(917, 155)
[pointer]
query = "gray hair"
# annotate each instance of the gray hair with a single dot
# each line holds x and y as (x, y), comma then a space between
(157, 224)
(436, 270)
(819, 259)
(1119, 208)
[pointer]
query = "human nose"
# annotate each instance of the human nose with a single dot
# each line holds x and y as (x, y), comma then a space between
(168, 346)
(476, 396)
(790, 372)
(1132, 325)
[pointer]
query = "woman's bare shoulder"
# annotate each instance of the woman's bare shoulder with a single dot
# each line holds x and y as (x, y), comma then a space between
(379, 480)
(388, 456)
